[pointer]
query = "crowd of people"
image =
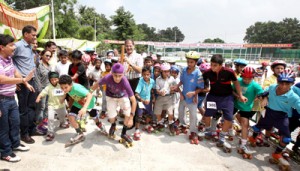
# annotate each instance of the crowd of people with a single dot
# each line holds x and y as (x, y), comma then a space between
(145, 90)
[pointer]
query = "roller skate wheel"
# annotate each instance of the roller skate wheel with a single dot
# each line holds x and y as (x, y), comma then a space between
(253, 144)
(207, 137)
(230, 138)
(215, 140)
(112, 136)
(227, 150)
(136, 138)
(185, 131)
(250, 156)
(121, 141)
(245, 156)
(273, 161)
(200, 138)
(240, 151)
(284, 168)
(127, 145)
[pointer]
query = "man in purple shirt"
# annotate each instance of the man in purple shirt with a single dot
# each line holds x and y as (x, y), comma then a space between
(118, 91)
(9, 112)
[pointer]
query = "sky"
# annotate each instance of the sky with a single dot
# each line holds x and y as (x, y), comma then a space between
(201, 19)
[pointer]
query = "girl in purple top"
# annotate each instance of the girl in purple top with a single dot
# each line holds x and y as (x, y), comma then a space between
(118, 93)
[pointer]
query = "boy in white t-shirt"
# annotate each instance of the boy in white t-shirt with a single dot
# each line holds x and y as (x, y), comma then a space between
(62, 66)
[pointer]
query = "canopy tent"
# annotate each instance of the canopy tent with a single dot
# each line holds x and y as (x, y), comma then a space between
(12, 22)
(72, 43)
(89, 44)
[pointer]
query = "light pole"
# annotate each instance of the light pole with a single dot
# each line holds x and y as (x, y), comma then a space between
(53, 22)
(95, 27)
(175, 35)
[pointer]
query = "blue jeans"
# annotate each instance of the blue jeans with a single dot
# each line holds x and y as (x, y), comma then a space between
(9, 125)
(27, 108)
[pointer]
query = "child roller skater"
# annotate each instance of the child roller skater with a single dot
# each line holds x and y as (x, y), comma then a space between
(250, 90)
(202, 95)
(164, 99)
(220, 99)
(277, 67)
(239, 65)
(55, 106)
(280, 98)
(143, 93)
(176, 96)
(191, 79)
(118, 93)
(108, 65)
(294, 123)
(83, 102)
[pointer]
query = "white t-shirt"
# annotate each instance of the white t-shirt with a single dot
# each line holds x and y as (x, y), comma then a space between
(165, 84)
(95, 74)
(62, 69)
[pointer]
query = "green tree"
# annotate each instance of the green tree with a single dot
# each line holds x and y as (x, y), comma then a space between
(66, 23)
(171, 35)
(150, 32)
(215, 40)
(285, 31)
(21, 4)
(89, 17)
(126, 27)
(86, 32)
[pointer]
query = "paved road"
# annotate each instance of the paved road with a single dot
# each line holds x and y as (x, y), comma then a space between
(153, 152)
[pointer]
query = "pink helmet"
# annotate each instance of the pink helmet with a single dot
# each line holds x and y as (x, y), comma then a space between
(86, 58)
(165, 66)
(204, 67)
(264, 63)
(157, 65)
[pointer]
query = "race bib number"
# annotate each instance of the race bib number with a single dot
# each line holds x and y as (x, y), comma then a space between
(211, 105)
(58, 92)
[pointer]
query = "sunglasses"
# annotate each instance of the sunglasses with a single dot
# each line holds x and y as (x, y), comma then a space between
(48, 56)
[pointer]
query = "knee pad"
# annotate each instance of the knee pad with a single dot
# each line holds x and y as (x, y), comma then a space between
(73, 114)
(255, 129)
(218, 115)
(286, 140)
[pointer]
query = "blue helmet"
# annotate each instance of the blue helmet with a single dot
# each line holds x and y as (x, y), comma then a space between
(175, 68)
(199, 62)
(286, 76)
(240, 62)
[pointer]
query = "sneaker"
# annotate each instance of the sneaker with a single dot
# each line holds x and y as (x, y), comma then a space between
(22, 148)
(11, 158)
